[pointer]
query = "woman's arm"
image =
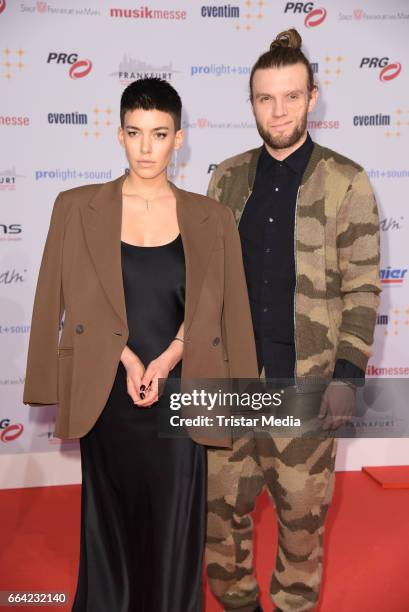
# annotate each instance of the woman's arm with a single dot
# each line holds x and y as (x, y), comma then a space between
(160, 368)
(134, 373)
(41, 384)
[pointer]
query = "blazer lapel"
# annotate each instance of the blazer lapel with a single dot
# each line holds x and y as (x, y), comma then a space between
(198, 232)
(102, 221)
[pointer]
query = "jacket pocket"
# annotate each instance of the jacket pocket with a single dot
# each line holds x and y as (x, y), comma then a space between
(65, 351)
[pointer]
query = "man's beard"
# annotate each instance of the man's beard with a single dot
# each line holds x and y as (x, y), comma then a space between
(283, 142)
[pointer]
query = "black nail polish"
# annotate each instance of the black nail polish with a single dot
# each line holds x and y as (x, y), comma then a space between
(142, 395)
(142, 387)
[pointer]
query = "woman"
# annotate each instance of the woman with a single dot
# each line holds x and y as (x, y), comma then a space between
(147, 274)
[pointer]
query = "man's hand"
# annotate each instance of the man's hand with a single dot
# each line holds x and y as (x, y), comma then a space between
(337, 406)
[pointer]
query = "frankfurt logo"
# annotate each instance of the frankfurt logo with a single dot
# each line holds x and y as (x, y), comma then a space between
(315, 17)
(390, 72)
(80, 69)
(2, 5)
(130, 69)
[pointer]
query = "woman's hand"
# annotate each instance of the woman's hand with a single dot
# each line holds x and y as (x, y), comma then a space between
(134, 373)
(159, 368)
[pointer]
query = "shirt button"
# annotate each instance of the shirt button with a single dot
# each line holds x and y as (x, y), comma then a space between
(79, 328)
(265, 309)
(265, 281)
(216, 341)
(270, 219)
(276, 189)
(268, 250)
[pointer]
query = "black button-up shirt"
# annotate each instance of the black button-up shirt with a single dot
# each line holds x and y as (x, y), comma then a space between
(267, 232)
(267, 229)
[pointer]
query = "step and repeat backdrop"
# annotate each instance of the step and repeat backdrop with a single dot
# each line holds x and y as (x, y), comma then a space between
(63, 66)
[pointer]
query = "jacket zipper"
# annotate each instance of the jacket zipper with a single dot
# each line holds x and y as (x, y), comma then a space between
(244, 206)
(295, 290)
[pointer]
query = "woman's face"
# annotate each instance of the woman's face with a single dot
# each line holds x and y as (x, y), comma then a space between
(149, 139)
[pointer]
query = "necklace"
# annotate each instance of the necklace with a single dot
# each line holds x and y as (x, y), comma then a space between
(147, 201)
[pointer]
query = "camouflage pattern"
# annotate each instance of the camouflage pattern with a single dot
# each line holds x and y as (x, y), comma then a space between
(299, 475)
(234, 481)
(336, 252)
(336, 298)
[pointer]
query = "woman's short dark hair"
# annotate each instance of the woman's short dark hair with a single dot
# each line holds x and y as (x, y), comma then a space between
(152, 94)
(285, 50)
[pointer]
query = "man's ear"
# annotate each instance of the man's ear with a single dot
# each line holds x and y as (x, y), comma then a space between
(313, 99)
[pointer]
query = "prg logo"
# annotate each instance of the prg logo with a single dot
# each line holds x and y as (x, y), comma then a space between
(389, 70)
(79, 68)
(10, 431)
(314, 16)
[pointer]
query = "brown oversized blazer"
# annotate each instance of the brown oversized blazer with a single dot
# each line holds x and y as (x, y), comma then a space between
(81, 276)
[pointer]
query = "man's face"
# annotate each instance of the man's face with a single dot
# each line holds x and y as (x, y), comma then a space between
(281, 103)
(149, 139)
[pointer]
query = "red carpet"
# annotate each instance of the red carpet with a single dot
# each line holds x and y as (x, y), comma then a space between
(367, 545)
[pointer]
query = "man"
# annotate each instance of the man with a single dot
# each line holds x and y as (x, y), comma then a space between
(309, 229)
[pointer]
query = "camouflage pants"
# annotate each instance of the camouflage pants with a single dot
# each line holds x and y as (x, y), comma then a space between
(299, 475)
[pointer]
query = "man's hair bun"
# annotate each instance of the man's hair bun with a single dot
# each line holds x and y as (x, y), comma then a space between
(288, 38)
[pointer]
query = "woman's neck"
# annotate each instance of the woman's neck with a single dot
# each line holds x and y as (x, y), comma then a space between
(135, 185)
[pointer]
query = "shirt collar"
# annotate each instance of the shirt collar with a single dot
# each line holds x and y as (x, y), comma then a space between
(297, 161)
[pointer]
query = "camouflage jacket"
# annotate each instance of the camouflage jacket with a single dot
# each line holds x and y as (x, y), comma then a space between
(336, 255)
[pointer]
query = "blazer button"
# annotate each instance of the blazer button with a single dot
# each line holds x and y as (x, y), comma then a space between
(79, 328)
(216, 341)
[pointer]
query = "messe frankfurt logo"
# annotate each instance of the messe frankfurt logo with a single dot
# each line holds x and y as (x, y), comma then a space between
(131, 69)
(8, 179)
